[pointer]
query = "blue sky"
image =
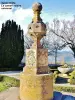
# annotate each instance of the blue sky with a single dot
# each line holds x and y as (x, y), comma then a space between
(59, 6)
(51, 8)
(61, 9)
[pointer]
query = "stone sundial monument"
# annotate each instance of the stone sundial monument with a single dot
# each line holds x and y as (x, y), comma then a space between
(36, 83)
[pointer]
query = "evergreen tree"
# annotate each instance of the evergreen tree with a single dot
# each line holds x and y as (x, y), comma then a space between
(11, 44)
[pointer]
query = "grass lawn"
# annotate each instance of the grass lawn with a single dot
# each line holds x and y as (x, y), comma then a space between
(7, 82)
(64, 89)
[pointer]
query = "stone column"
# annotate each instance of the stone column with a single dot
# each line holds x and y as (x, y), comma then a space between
(36, 83)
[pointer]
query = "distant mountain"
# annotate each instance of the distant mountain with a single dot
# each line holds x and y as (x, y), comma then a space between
(64, 56)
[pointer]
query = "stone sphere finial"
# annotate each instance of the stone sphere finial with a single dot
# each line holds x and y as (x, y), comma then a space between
(37, 6)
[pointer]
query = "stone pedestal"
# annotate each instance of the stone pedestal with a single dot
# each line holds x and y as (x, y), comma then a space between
(36, 83)
(36, 87)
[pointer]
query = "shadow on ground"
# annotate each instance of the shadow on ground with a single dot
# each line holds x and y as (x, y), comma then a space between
(61, 80)
(60, 96)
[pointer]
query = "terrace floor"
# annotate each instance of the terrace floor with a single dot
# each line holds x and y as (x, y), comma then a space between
(13, 94)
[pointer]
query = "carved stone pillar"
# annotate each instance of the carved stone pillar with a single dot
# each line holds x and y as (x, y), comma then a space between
(36, 83)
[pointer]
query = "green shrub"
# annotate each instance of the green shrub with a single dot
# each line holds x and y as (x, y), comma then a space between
(11, 82)
(10, 69)
(65, 66)
(72, 78)
(7, 82)
(55, 76)
(1, 78)
(56, 72)
(65, 89)
(72, 81)
(11, 44)
(73, 66)
(73, 73)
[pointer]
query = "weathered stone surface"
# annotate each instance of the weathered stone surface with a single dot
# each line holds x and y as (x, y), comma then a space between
(37, 6)
(36, 87)
(37, 30)
(42, 61)
(36, 61)
(36, 83)
(42, 57)
(31, 57)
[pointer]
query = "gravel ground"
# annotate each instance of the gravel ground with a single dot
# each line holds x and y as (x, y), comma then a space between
(13, 94)
(10, 94)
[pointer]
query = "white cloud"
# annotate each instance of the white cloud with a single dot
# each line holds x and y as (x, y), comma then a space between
(24, 16)
(49, 16)
(20, 15)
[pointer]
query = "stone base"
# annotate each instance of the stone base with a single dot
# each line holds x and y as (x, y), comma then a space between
(36, 87)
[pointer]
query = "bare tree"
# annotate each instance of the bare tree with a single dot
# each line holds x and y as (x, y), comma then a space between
(27, 41)
(66, 31)
(52, 42)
